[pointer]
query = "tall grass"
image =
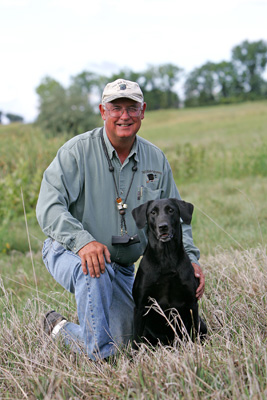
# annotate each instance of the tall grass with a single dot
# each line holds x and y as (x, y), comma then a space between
(218, 156)
(232, 364)
(24, 154)
(212, 143)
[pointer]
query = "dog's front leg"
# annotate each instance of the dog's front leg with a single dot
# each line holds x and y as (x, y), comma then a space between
(138, 327)
(195, 323)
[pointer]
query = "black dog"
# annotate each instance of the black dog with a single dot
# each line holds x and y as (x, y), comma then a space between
(165, 274)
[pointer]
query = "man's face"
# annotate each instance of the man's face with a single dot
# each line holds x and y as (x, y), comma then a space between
(123, 126)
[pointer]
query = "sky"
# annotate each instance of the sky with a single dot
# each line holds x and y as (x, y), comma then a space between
(62, 38)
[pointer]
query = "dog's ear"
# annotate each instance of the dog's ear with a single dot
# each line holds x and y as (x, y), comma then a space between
(186, 211)
(139, 214)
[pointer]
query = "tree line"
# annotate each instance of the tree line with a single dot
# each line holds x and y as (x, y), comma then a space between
(11, 117)
(74, 109)
(230, 81)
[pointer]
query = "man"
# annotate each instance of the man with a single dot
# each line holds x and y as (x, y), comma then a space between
(84, 208)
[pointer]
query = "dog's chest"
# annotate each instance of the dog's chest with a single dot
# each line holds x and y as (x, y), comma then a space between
(170, 292)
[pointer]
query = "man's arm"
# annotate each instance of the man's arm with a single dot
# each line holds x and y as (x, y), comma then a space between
(61, 186)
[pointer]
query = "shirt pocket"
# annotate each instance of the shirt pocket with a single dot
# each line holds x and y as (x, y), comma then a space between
(150, 194)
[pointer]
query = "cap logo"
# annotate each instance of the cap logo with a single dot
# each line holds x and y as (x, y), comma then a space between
(122, 86)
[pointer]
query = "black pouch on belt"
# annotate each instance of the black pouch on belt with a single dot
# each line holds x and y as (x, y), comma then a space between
(125, 240)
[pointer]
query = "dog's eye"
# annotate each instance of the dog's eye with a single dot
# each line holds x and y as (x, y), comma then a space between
(171, 210)
(153, 212)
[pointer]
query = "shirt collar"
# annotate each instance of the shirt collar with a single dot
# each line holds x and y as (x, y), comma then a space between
(110, 148)
(112, 152)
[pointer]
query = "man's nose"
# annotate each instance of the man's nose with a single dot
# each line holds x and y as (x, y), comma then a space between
(125, 113)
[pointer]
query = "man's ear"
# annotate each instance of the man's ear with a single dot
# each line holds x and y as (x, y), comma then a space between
(139, 214)
(186, 211)
(102, 111)
(143, 111)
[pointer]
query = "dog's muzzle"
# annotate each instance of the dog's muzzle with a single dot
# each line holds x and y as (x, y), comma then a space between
(165, 237)
(164, 234)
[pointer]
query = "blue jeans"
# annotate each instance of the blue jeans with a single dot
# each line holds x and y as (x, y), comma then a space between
(104, 305)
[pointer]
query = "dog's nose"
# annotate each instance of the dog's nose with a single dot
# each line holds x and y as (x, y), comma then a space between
(163, 227)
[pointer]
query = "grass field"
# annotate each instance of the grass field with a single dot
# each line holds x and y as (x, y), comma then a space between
(219, 160)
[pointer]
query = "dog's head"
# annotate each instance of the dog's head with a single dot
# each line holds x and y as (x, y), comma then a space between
(163, 216)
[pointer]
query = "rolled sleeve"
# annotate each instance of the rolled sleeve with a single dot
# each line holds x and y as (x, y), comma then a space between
(60, 187)
(192, 251)
(79, 241)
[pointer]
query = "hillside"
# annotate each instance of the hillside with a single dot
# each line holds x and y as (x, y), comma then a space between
(218, 156)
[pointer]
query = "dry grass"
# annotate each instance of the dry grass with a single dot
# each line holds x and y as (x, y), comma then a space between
(231, 365)
(218, 155)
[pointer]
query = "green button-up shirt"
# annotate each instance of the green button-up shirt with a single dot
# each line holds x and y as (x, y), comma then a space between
(77, 200)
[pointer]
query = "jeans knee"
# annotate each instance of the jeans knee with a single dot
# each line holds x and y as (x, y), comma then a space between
(61, 263)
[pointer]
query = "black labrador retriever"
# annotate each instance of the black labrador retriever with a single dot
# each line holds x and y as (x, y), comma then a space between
(166, 275)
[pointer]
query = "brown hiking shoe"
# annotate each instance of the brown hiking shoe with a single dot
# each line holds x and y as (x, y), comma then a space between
(51, 319)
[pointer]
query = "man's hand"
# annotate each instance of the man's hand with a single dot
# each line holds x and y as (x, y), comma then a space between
(93, 256)
(199, 274)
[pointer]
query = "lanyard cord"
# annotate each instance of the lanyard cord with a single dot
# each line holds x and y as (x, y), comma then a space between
(121, 206)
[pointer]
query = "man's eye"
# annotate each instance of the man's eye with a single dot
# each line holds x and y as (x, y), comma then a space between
(132, 109)
(116, 109)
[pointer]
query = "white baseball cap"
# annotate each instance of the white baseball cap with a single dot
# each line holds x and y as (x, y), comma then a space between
(122, 88)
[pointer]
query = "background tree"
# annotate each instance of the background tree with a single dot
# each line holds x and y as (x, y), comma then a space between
(200, 86)
(64, 110)
(213, 83)
(170, 75)
(250, 59)
(14, 117)
(158, 85)
(156, 82)
(227, 81)
(91, 84)
(52, 97)
(75, 109)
